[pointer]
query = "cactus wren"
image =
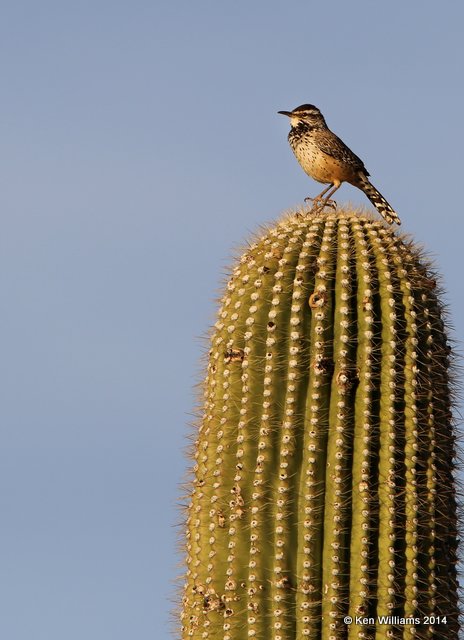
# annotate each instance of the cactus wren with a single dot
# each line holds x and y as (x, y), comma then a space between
(325, 158)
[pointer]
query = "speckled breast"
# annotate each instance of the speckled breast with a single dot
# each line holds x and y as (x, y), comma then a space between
(320, 166)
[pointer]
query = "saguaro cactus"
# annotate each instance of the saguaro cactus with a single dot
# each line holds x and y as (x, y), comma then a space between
(323, 502)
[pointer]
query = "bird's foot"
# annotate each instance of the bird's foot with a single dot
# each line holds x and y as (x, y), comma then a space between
(319, 204)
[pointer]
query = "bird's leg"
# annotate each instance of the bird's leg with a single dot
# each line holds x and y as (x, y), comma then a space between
(319, 197)
(319, 203)
(328, 202)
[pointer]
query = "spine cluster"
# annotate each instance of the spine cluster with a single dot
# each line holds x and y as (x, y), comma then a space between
(323, 476)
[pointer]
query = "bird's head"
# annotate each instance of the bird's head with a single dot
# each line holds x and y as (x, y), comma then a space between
(306, 113)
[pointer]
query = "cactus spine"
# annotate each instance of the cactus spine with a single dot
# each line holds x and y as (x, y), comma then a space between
(323, 478)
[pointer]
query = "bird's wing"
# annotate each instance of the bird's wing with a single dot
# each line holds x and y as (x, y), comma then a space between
(331, 144)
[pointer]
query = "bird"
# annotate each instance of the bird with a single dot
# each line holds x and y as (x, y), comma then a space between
(327, 159)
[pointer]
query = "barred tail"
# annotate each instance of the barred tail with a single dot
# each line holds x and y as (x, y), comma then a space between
(379, 202)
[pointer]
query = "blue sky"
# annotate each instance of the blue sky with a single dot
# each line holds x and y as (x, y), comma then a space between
(140, 147)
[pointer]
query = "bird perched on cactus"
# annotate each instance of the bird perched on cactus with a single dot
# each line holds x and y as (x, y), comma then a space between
(327, 159)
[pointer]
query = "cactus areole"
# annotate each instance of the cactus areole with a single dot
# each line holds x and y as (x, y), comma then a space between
(323, 503)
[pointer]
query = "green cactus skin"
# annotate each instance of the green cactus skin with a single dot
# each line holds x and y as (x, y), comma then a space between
(323, 480)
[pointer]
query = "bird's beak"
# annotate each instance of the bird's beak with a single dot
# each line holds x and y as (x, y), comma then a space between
(286, 113)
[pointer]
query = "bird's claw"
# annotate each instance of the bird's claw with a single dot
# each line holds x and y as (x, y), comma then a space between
(320, 205)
